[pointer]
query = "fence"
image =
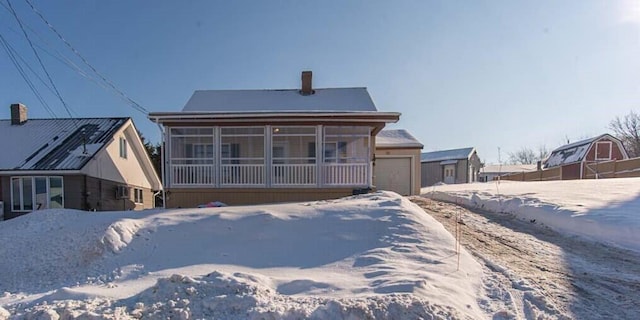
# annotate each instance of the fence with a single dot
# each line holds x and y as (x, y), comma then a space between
(588, 170)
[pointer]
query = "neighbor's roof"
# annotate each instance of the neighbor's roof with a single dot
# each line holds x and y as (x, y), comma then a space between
(572, 152)
(287, 100)
(496, 168)
(453, 154)
(397, 138)
(54, 144)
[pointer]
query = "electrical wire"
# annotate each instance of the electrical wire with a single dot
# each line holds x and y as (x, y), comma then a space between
(24, 76)
(133, 103)
(64, 104)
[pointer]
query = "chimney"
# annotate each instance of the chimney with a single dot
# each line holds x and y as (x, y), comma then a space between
(306, 83)
(18, 114)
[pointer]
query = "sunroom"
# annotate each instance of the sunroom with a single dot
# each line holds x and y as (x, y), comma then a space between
(289, 156)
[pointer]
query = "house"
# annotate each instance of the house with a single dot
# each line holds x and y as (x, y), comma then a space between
(450, 166)
(491, 172)
(575, 158)
(265, 146)
(397, 164)
(78, 163)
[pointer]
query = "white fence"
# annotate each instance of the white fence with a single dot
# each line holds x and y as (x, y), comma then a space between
(242, 174)
(338, 174)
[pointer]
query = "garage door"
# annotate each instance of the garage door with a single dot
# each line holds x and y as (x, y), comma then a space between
(393, 174)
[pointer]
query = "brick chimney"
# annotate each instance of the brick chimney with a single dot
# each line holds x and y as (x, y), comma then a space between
(18, 114)
(306, 83)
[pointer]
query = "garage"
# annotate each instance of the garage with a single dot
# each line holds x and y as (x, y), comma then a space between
(394, 174)
(397, 162)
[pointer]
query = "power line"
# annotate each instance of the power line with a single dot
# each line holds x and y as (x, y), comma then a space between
(64, 104)
(133, 103)
(24, 76)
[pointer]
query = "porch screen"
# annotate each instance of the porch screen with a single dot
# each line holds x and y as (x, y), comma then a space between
(346, 155)
(242, 160)
(293, 160)
(192, 156)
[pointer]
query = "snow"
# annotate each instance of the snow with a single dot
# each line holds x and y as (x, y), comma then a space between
(606, 210)
(443, 155)
(367, 256)
(396, 138)
(288, 100)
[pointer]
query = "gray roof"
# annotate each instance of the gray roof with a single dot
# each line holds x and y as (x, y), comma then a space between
(54, 144)
(572, 152)
(453, 154)
(397, 138)
(288, 100)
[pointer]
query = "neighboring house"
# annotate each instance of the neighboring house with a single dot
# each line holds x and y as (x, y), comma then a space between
(265, 146)
(575, 157)
(397, 165)
(80, 163)
(450, 166)
(491, 172)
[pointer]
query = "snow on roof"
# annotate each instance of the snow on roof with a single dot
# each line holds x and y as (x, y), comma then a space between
(453, 154)
(496, 168)
(397, 138)
(572, 152)
(287, 100)
(54, 144)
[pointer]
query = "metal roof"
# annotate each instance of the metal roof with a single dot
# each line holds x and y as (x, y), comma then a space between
(54, 144)
(397, 138)
(442, 155)
(287, 100)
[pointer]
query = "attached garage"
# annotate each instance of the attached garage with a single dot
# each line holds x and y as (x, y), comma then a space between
(397, 164)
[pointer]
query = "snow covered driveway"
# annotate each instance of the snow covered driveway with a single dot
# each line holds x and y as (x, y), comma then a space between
(532, 272)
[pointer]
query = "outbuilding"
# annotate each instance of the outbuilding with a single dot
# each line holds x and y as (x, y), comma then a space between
(397, 164)
(450, 166)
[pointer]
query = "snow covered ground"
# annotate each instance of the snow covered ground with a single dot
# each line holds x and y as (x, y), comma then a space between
(606, 210)
(369, 256)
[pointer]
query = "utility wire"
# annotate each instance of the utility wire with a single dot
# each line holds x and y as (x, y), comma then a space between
(133, 103)
(24, 76)
(64, 104)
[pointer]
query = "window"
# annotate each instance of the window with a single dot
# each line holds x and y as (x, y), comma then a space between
(36, 193)
(123, 148)
(603, 150)
(137, 195)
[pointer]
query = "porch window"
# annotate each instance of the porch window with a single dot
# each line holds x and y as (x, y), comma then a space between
(36, 193)
(346, 155)
(293, 156)
(192, 156)
(242, 155)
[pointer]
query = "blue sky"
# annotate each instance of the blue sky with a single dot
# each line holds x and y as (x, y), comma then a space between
(489, 74)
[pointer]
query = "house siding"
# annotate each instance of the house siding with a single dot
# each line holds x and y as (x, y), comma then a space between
(431, 173)
(571, 171)
(83, 193)
(192, 197)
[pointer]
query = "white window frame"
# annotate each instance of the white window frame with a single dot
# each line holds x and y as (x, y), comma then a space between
(123, 148)
(610, 150)
(33, 192)
(137, 196)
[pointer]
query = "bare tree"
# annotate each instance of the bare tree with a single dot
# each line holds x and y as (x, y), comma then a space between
(527, 156)
(627, 129)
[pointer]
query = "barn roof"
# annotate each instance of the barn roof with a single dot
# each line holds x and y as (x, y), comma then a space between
(573, 152)
(444, 155)
(54, 144)
(397, 138)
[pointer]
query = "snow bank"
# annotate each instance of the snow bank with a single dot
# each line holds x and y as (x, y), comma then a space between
(375, 255)
(606, 210)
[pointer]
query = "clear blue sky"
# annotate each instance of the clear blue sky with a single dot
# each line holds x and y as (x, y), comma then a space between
(487, 74)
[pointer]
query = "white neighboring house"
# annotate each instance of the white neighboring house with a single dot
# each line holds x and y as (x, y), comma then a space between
(80, 163)
(490, 172)
(397, 165)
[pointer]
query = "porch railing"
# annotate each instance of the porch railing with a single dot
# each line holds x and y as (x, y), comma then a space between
(333, 174)
(242, 174)
(192, 174)
(293, 174)
(345, 174)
